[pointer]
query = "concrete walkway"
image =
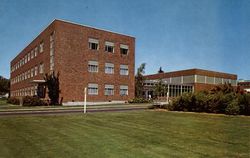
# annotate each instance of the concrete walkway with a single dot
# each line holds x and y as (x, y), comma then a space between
(70, 110)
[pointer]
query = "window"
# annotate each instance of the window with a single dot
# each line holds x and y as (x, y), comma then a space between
(123, 69)
(36, 70)
(93, 66)
(25, 76)
(109, 47)
(41, 68)
(41, 47)
(28, 73)
(109, 90)
(92, 89)
(124, 49)
(35, 52)
(93, 44)
(28, 56)
(32, 72)
(32, 55)
(123, 90)
(109, 68)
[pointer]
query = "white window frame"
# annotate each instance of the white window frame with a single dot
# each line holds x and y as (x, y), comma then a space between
(93, 66)
(124, 68)
(124, 47)
(109, 68)
(92, 89)
(109, 45)
(123, 88)
(109, 90)
(93, 41)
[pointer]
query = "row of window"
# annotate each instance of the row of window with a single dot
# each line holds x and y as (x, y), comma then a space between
(28, 74)
(108, 90)
(198, 79)
(109, 46)
(92, 90)
(29, 91)
(109, 68)
(52, 51)
(29, 56)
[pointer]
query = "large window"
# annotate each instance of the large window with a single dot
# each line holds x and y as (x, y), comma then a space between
(92, 89)
(93, 44)
(93, 66)
(109, 68)
(124, 49)
(36, 70)
(109, 47)
(123, 69)
(109, 90)
(123, 90)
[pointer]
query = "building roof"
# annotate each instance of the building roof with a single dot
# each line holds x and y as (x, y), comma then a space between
(194, 71)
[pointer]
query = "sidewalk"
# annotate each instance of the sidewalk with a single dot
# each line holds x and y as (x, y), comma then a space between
(75, 109)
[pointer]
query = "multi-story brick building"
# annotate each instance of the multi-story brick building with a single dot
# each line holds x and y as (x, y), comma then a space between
(178, 82)
(100, 60)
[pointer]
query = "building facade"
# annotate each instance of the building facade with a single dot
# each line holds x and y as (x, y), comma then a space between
(100, 60)
(191, 80)
(244, 85)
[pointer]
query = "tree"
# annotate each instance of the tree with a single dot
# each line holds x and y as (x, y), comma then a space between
(160, 89)
(4, 85)
(52, 83)
(139, 81)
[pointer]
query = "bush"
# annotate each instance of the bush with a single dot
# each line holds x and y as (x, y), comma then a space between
(139, 100)
(244, 103)
(233, 108)
(13, 100)
(33, 101)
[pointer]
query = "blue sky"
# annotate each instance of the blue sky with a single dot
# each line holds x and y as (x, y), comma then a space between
(173, 34)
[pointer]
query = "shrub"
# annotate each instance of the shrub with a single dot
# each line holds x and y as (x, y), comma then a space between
(13, 100)
(139, 100)
(33, 101)
(244, 103)
(233, 108)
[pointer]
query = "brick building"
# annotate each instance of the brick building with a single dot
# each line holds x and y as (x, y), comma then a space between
(178, 82)
(244, 85)
(100, 60)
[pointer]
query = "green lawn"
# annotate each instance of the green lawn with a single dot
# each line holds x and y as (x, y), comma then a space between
(125, 134)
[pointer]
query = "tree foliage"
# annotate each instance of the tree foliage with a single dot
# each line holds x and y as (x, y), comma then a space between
(52, 83)
(160, 89)
(139, 81)
(4, 85)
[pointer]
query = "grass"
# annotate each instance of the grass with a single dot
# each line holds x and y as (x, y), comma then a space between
(126, 134)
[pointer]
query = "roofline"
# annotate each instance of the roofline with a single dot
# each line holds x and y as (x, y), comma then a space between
(194, 69)
(46, 26)
(75, 23)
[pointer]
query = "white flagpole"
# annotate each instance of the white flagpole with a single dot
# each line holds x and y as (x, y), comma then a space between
(85, 99)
